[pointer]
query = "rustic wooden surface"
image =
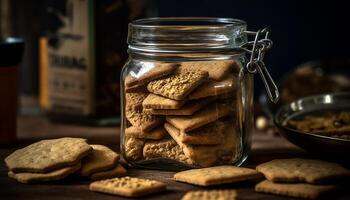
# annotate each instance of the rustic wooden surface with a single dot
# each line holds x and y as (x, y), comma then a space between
(31, 129)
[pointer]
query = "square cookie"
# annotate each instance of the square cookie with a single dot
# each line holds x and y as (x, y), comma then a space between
(211, 195)
(208, 155)
(188, 109)
(141, 120)
(101, 158)
(179, 85)
(201, 118)
(28, 177)
(48, 155)
(133, 101)
(147, 74)
(127, 186)
(153, 101)
(209, 134)
(167, 149)
(117, 171)
(303, 170)
(155, 134)
(298, 190)
(217, 69)
(133, 148)
(217, 175)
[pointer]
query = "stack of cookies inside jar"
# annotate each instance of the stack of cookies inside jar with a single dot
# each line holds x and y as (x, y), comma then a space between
(184, 112)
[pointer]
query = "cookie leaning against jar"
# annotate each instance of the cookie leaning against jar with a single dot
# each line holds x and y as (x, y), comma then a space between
(187, 99)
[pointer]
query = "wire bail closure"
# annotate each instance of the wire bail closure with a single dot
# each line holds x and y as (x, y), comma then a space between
(257, 49)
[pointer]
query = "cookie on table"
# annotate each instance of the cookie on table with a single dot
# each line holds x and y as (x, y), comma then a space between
(117, 171)
(188, 109)
(210, 195)
(29, 177)
(217, 175)
(134, 100)
(298, 190)
(48, 155)
(214, 88)
(141, 120)
(153, 101)
(217, 69)
(100, 159)
(179, 85)
(209, 134)
(128, 186)
(133, 148)
(157, 71)
(201, 118)
(155, 134)
(302, 170)
(167, 149)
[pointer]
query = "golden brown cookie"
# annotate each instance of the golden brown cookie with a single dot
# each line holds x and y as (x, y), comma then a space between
(208, 155)
(167, 149)
(298, 190)
(128, 186)
(179, 85)
(133, 148)
(134, 100)
(200, 155)
(100, 159)
(217, 175)
(201, 118)
(29, 177)
(141, 120)
(217, 69)
(210, 195)
(48, 155)
(155, 134)
(302, 170)
(117, 171)
(188, 109)
(209, 134)
(147, 74)
(153, 101)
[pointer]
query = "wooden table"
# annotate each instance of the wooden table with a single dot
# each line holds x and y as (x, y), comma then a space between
(31, 129)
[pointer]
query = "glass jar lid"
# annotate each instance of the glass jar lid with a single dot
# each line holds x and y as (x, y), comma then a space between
(186, 34)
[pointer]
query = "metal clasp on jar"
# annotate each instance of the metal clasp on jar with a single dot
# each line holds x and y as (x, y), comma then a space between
(257, 49)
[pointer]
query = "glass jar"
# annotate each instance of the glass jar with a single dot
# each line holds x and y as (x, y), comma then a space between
(187, 92)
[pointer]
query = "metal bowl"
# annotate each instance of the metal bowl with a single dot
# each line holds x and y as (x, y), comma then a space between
(321, 145)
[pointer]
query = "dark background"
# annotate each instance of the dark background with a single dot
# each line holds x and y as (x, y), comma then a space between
(301, 30)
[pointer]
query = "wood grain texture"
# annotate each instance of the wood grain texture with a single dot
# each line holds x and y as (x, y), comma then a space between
(265, 148)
